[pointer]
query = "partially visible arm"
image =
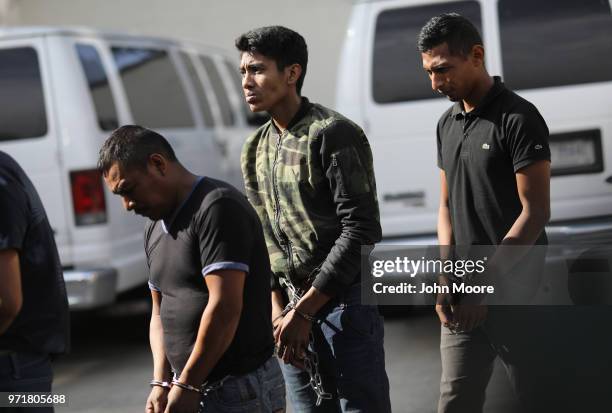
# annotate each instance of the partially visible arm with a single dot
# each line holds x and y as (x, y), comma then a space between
(158, 397)
(445, 239)
(445, 230)
(533, 185)
(161, 366)
(11, 297)
(217, 326)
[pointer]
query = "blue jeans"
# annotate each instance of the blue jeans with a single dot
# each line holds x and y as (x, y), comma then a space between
(260, 391)
(348, 338)
(26, 372)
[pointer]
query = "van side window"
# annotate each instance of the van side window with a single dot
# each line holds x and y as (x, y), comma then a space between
(227, 113)
(22, 102)
(98, 87)
(397, 68)
(573, 40)
(199, 90)
(253, 118)
(153, 88)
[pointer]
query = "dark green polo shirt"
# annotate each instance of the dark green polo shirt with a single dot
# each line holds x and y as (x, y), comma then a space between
(480, 152)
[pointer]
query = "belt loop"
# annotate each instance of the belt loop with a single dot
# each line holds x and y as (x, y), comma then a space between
(15, 364)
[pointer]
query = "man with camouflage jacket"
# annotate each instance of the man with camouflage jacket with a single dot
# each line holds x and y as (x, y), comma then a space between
(308, 173)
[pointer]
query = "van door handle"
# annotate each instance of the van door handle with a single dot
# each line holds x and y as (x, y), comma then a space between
(609, 179)
(414, 198)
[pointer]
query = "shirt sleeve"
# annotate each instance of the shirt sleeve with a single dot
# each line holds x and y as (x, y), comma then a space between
(439, 146)
(225, 236)
(147, 238)
(13, 216)
(347, 163)
(527, 138)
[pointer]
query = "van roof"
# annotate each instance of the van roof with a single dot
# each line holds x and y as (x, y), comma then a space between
(20, 32)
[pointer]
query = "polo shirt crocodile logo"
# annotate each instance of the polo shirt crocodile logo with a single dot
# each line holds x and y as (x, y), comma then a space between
(486, 146)
(538, 147)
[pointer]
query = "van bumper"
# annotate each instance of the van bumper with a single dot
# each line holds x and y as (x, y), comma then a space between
(572, 236)
(593, 231)
(92, 288)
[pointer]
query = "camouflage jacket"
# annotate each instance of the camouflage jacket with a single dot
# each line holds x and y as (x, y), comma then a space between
(314, 190)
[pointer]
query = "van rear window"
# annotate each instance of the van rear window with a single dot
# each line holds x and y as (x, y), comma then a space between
(155, 94)
(22, 101)
(397, 68)
(207, 115)
(98, 86)
(227, 113)
(549, 43)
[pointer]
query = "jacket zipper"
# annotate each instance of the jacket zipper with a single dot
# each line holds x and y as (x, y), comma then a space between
(283, 238)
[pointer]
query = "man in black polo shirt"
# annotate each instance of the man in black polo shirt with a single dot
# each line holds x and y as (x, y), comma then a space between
(209, 278)
(494, 165)
(34, 319)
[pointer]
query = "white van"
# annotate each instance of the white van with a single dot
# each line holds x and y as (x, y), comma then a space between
(62, 91)
(556, 54)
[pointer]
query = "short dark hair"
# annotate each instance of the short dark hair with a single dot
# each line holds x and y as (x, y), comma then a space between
(131, 146)
(451, 28)
(283, 45)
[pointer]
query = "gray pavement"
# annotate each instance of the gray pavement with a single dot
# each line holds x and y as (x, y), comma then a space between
(110, 366)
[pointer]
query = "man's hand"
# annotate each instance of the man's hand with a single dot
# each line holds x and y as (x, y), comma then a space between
(467, 317)
(443, 309)
(292, 338)
(182, 401)
(157, 401)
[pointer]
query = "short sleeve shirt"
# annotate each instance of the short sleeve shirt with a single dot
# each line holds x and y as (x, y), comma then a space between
(480, 153)
(214, 229)
(42, 325)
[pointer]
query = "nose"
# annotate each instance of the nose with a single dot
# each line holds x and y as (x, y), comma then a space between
(247, 80)
(436, 81)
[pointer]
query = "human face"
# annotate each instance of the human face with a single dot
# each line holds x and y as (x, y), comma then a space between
(265, 87)
(139, 190)
(451, 75)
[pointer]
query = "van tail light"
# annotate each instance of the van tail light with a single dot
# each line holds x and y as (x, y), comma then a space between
(88, 197)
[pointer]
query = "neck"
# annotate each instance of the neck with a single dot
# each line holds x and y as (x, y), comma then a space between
(480, 90)
(183, 185)
(285, 111)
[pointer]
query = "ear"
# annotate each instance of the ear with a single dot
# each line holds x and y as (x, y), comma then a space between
(158, 164)
(293, 73)
(477, 55)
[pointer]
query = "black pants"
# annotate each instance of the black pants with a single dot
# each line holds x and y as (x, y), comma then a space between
(25, 372)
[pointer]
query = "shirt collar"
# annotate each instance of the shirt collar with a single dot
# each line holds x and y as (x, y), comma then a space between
(497, 88)
(167, 224)
(305, 106)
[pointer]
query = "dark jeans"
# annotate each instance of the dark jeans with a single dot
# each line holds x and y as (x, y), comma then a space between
(26, 372)
(348, 339)
(260, 391)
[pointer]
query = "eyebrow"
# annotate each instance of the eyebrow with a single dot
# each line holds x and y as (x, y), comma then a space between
(253, 66)
(437, 66)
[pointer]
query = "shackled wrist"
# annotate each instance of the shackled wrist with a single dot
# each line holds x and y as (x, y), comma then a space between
(160, 383)
(302, 314)
(185, 386)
